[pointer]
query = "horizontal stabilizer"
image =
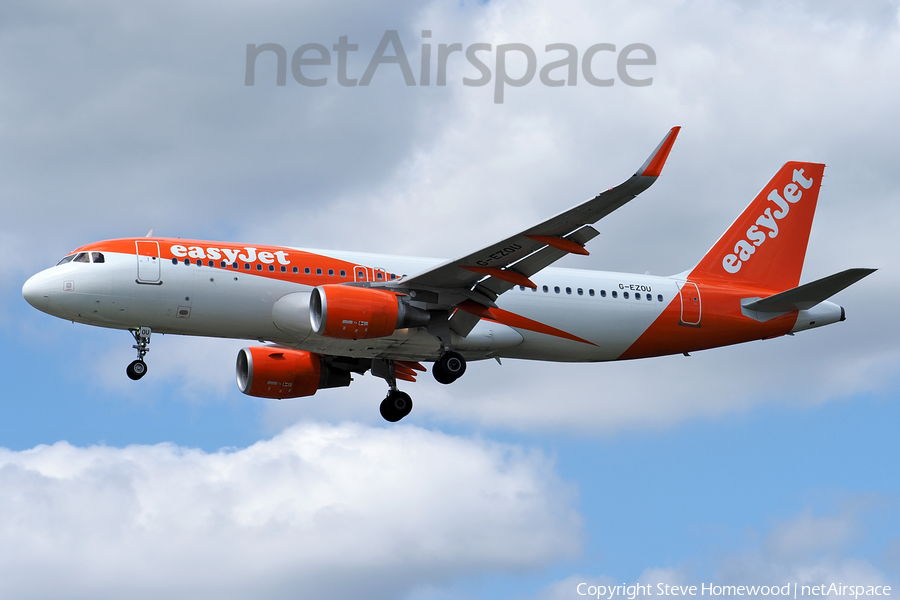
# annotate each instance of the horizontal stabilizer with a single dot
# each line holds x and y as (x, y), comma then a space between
(808, 295)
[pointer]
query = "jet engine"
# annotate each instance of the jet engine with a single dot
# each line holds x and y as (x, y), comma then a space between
(356, 313)
(272, 372)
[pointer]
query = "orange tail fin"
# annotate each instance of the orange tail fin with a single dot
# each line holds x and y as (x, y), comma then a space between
(766, 245)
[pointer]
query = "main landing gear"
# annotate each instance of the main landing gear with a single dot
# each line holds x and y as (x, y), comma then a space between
(449, 367)
(138, 368)
(397, 404)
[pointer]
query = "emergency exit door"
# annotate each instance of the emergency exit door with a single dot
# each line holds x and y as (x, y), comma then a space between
(690, 304)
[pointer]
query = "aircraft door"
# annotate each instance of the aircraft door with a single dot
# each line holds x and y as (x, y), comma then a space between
(690, 304)
(147, 261)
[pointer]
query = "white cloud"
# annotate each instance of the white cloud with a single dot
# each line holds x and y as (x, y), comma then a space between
(317, 512)
(806, 549)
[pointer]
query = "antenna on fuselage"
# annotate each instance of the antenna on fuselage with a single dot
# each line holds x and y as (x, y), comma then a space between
(149, 233)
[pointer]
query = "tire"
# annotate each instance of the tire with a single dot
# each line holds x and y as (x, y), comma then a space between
(136, 370)
(440, 374)
(449, 368)
(396, 406)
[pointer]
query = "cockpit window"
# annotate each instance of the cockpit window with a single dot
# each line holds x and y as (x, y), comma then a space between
(83, 257)
(97, 257)
(65, 260)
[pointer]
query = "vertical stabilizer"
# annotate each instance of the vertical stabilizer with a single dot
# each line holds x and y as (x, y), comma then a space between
(766, 245)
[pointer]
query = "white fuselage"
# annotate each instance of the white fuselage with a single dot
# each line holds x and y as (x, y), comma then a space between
(204, 301)
(573, 315)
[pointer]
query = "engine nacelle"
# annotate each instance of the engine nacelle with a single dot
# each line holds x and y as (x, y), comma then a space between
(272, 372)
(358, 313)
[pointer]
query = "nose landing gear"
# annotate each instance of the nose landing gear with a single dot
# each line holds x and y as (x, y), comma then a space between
(138, 368)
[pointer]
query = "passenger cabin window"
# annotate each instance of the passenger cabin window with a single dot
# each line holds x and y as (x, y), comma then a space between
(83, 257)
(65, 259)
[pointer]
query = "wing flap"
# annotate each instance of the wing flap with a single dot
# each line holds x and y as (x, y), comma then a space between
(539, 260)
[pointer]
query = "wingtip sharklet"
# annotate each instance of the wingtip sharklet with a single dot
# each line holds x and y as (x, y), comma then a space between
(653, 166)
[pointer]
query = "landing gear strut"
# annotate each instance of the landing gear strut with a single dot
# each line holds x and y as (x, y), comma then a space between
(449, 367)
(138, 368)
(396, 404)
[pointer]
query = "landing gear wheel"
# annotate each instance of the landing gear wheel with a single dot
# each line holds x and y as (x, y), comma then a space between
(396, 406)
(449, 368)
(136, 370)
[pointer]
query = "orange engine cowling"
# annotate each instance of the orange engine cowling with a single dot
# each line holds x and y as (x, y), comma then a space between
(272, 372)
(357, 313)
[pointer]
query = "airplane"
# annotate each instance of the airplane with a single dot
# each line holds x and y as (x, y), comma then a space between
(324, 316)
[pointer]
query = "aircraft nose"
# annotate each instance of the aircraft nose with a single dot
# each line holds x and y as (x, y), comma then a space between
(36, 292)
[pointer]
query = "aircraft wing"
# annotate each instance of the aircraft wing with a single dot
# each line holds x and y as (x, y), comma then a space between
(485, 274)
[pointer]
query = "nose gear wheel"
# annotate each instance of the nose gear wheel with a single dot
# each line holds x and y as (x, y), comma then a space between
(138, 368)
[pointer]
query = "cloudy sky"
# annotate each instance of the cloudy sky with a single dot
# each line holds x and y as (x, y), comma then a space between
(765, 464)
